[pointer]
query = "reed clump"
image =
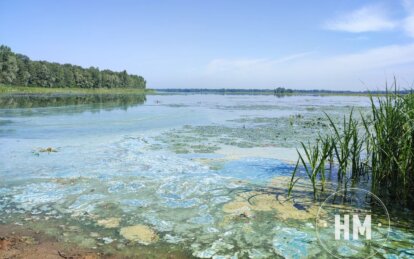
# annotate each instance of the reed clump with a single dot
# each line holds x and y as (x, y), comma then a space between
(380, 146)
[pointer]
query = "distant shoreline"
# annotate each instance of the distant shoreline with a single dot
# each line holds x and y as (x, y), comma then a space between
(276, 92)
(9, 89)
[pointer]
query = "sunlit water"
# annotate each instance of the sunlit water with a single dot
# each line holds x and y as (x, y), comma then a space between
(171, 163)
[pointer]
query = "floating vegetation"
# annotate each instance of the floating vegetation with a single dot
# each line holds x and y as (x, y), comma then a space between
(139, 233)
(262, 132)
(109, 222)
(269, 200)
(48, 150)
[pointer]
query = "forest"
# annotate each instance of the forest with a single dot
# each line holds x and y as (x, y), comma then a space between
(18, 70)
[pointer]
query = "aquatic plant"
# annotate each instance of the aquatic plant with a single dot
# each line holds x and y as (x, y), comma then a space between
(313, 161)
(348, 146)
(391, 133)
(382, 146)
(327, 144)
(293, 181)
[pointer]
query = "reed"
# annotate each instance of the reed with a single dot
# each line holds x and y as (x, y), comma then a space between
(293, 181)
(380, 144)
(391, 133)
(313, 162)
(327, 143)
(342, 142)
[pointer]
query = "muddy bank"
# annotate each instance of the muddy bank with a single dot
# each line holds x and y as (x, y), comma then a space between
(20, 242)
(23, 242)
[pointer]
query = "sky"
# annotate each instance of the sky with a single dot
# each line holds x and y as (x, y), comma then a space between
(339, 45)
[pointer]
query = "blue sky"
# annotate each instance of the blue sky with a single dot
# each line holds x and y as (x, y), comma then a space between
(341, 44)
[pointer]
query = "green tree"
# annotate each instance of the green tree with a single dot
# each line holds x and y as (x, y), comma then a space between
(17, 69)
(8, 65)
(23, 74)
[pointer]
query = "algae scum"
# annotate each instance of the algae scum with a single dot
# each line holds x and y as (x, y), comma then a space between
(200, 175)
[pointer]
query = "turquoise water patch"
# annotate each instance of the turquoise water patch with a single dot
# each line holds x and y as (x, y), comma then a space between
(257, 170)
(291, 243)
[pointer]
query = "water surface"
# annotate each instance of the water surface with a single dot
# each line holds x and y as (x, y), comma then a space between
(182, 165)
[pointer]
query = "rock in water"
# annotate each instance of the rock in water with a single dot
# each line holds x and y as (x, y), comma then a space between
(140, 233)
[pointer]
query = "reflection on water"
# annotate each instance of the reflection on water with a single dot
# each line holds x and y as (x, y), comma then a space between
(84, 102)
(122, 178)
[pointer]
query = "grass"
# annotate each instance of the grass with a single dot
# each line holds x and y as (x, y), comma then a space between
(391, 137)
(314, 162)
(347, 145)
(380, 145)
(5, 89)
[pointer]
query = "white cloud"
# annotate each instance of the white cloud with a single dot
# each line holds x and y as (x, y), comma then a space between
(362, 70)
(225, 65)
(293, 57)
(366, 19)
(408, 5)
(409, 25)
(408, 22)
(374, 18)
(340, 72)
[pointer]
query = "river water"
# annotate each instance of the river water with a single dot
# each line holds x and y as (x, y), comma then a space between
(180, 167)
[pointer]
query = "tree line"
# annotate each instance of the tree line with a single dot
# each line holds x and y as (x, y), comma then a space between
(17, 69)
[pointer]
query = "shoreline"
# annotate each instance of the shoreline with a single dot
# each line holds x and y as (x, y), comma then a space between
(9, 89)
(22, 241)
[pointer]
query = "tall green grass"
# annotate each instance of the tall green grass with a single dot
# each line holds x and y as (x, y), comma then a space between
(380, 145)
(313, 160)
(391, 133)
